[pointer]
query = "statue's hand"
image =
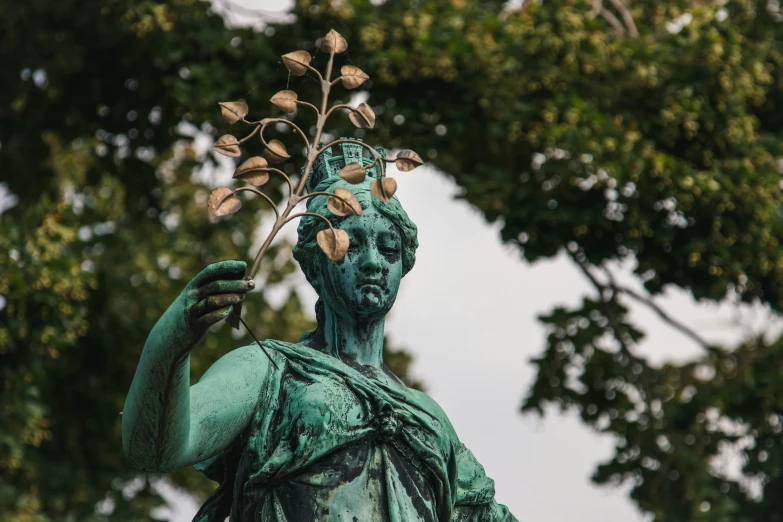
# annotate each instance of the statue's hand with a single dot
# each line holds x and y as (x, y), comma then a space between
(209, 297)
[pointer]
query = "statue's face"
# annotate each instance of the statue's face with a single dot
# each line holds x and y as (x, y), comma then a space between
(364, 284)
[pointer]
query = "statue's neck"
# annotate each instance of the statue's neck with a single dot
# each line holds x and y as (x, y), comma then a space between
(357, 340)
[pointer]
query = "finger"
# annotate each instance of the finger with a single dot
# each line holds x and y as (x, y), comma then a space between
(230, 269)
(221, 301)
(216, 316)
(214, 302)
(226, 286)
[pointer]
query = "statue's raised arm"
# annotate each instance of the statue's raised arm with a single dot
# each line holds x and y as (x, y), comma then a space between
(167, 423)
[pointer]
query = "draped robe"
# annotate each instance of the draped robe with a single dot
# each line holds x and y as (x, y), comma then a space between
(328, 443)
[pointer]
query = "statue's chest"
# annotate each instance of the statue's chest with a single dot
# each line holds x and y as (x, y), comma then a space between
(323, 406)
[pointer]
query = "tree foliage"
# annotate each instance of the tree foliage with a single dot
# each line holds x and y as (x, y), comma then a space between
(662, 148)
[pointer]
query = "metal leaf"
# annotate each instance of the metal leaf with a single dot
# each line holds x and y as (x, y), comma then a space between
(383, 189)
(276, 152)
(285, 101)
(253, 171)
(333, 41)
(333, 242)
(407, 160)
(297, 62)
(233, 111)
(352, 77)
(347, 206)
(227, 145)
(362, 116)
(223, 202)
(353, 173)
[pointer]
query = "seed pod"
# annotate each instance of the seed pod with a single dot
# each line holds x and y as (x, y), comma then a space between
(227, 145)
(362, 116)
(345, 204)
(383, 189)
(276, 152)
(333, 41)
(285, 101)
(407, 160)
(233, 111)
(352, 77)
(297, 62)
(223, 202)
(353, 173)
(333, 242)
(253, 171)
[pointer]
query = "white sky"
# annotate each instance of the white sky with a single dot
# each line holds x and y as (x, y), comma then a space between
(468, 312)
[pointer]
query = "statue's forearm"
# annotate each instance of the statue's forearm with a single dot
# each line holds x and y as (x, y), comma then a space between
(156, 417)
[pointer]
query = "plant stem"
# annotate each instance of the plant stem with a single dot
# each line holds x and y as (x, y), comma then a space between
(291, 124)
(312, 154)
(261, 194)
(311, 214)
(340, 106)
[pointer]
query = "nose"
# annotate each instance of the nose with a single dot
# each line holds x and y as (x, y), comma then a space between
(370, 260)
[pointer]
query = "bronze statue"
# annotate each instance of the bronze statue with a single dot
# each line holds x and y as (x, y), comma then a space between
(319, 429)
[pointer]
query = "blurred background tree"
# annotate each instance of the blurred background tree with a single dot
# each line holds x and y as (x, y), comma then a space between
(637, 132)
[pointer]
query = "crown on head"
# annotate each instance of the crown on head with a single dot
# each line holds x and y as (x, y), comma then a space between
(328, 164)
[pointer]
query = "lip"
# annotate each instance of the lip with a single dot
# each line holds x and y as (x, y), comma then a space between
(369, 283)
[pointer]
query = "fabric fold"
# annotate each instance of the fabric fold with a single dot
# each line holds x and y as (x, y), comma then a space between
(324, 431)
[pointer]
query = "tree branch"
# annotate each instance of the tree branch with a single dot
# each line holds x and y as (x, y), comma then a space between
(674, 323)
(581, 262)
(598, 9)
(627, 18)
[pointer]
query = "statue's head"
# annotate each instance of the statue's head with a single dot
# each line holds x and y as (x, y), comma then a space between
(364, 284)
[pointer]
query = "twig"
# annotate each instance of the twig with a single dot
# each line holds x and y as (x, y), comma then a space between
(306, 104)
(285, 176)
(619, 333)
(627, 18)
(674, 323)
(667, 318)
(599, 10)
(311, 214)
(601, 288)
(340, 106)
(253, 133)
(291, 124)
(261, 194)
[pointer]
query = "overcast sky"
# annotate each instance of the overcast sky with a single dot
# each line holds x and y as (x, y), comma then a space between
(467, 313)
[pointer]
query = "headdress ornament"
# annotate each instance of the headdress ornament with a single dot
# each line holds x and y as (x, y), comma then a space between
(329, 164)
(343, 158)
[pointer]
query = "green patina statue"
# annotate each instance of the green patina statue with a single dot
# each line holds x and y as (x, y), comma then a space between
(320, 429)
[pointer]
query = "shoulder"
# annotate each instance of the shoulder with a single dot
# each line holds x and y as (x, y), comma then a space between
(247, 365)
(433, 408)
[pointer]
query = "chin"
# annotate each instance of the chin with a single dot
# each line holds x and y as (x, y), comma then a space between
(372, 303)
